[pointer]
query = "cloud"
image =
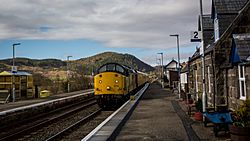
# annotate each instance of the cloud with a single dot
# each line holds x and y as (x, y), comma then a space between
(116, 23)
(154, 60)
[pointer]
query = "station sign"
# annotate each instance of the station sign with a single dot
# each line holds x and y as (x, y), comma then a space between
(14, 69)
(195, 36)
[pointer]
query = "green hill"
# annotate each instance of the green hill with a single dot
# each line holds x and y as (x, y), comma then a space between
(91, 63)
(43, 63)
(124, 59)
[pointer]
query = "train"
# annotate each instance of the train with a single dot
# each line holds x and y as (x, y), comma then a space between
(114, 83)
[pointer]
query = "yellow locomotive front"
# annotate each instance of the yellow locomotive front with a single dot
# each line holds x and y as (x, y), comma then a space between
(110, 85)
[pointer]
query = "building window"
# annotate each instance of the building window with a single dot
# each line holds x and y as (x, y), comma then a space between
(196, 80)
(209, 79)
(242, 82)
(196, 84)
(216, 29)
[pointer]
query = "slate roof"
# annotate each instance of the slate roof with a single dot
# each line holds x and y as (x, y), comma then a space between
(209, 48)
(234, 24)
(227, 11)
(227, 6)
(173, 61)
(195, 55)
(225, 21)
(242, 42)
(207, 22)
(208, 28)
(21, 73)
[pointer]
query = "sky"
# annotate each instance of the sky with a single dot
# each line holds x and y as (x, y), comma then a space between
(83, 28)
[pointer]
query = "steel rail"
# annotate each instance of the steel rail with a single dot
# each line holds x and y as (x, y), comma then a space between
(45, 114)
(46, 121)
(59, 134)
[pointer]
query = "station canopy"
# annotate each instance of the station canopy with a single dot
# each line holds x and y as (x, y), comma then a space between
(19, 73)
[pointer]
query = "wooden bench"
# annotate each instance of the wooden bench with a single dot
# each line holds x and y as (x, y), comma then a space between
(4, 96)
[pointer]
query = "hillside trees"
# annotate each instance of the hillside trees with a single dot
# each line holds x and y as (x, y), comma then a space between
(78, 79)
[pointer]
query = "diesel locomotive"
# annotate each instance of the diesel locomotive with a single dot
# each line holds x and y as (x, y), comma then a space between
(114, 83)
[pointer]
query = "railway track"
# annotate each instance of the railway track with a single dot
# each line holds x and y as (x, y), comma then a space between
(81, 128)
(35, 125)
(74, 124)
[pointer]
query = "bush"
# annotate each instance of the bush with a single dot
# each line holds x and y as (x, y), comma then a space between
(241, 117)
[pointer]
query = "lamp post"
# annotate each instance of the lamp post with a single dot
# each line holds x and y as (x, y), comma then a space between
(161, 69)
(68, 72)
(178, 51)
(13, 70)
(204, 96)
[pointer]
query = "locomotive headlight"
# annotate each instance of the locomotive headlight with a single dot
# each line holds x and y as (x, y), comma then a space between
(108, 88)
(100, 81)
(116, 81)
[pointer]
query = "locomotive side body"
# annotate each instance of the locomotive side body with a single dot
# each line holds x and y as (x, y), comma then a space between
(142, 78)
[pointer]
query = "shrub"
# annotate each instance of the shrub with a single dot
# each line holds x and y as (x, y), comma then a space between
(241, 117)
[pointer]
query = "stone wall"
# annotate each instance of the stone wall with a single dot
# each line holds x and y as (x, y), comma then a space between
(195, 73)
(228, 73)
(234, 100)
(209, 65)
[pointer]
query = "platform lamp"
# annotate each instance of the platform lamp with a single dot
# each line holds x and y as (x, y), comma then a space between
(14, 70)
(68, 72)
(178, 51)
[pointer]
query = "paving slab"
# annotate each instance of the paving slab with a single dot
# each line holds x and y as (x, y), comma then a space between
(161, 116)
(154, 118)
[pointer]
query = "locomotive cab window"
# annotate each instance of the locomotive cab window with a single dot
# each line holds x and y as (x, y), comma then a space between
(119, 69)
(110, 67)
(102, 69)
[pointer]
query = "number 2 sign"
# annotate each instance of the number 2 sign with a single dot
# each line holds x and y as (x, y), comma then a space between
(195, 36)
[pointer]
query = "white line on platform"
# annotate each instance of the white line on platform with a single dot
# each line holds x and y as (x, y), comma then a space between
(93, 132)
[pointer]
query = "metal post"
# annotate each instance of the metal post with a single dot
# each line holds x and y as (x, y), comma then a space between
(178, 69)
(68, 73)
(203, 62)
(13, 73)
(161, 69)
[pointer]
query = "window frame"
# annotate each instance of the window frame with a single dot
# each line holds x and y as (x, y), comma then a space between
(209, 79)
(242, 78)
(216, 29)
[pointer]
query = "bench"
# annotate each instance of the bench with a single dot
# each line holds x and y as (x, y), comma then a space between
(4, 96)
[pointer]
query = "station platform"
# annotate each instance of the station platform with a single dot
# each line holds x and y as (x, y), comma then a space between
(22, 103)
(161, 116)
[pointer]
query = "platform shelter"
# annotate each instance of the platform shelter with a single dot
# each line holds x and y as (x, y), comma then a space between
(23, 82)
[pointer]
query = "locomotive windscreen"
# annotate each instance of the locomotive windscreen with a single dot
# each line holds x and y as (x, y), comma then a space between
(111, 68)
